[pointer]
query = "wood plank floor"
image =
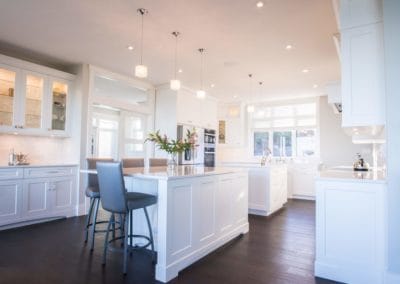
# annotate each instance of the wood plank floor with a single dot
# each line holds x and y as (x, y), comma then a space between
(278, 249)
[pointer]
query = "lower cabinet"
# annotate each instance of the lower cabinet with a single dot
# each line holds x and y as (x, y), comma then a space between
(10, 201)
(28, 199)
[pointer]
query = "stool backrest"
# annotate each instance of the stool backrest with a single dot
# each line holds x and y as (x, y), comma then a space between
(112, 187)
(156, 162)
(91, 165)
(133, 163)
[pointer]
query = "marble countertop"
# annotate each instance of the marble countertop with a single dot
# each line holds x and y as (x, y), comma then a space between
(375, 176)
(179, 172)
(38, 165)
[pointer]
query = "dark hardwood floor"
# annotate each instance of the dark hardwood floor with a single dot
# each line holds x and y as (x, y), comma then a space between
(278, 249)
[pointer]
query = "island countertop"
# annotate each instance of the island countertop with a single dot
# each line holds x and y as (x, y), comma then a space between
(371, 176)
(178, 172)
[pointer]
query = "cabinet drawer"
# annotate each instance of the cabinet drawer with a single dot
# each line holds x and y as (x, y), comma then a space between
(48, 172)
(11, 173)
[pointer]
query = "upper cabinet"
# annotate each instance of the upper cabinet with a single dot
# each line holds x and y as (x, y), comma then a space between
(34, 100)
(362, 63)
(355, 13)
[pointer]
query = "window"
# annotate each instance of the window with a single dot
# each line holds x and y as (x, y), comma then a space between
(134, 135)
(261, 142)
(287, 129)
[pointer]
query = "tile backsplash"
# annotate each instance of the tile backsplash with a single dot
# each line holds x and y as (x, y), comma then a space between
(40, 150)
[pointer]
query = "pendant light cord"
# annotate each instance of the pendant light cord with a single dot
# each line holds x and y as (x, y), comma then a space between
(176, 52)
(141, 42)
(201, 68)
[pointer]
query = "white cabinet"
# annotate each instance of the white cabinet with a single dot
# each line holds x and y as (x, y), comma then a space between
(267, 189)
(35, 197)
(302, 180)
(350, 231)
(34, 100)
(355, 13)
(10, 201)
(363, 89)
(40, 192)
(362, 63)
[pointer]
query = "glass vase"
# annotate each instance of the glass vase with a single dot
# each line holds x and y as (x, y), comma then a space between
(171, 161)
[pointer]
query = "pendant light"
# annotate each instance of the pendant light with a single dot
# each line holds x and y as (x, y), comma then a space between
(250, 108)
(141, 70)
(175, 84)
(201, 94)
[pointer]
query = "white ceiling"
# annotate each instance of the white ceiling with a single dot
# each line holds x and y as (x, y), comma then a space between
(238, 37)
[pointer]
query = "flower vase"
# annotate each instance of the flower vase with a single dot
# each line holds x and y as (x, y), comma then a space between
(171, 161)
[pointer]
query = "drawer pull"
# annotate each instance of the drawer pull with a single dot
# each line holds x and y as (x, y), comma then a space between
(53, 172)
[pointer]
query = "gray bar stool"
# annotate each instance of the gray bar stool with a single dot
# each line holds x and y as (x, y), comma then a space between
(92, 191)
(115, 199)
(133, 163)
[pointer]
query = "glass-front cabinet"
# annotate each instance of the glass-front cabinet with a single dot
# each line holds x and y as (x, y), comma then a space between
(59, 95)
(34, 99)
(7, 96)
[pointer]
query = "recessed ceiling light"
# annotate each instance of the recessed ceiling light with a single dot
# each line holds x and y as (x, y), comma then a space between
(289, 47)
(130, 47)
(180, 70)
(212, 85)
(315, 86)
(260, 4)
(235, 96)
(305, 70)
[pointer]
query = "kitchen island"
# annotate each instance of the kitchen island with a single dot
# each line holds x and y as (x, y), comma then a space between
(350, 226)
(199, 209)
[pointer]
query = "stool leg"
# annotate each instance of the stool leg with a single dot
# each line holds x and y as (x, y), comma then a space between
(106, 240)
(131, 227)
(121, 224)
(125, 244)
(113, 227)
(150, 230)
(88, 219)
(96, 210)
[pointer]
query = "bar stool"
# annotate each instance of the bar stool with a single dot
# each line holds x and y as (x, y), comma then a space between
(156, 162)
(92, 191)
(133, 163)
(116, 200)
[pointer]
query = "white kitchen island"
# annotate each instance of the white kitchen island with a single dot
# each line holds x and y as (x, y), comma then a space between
(350, 226)
(198, 210)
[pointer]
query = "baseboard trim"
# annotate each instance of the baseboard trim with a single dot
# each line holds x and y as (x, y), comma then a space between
(349, 274)
(302, 197)
(30, 222)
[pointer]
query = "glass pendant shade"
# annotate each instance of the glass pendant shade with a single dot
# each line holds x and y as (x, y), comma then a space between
(201, 94)
(141, 71)
(175, 84)
(250, 108)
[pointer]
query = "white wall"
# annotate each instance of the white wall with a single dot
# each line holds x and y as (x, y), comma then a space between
(335, 145)
(392, 71)
(41, 150)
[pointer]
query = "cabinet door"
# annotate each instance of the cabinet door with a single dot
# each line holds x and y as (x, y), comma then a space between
(33, 100)
(10, 201)
(8, 98)
(60, 90)
(363, 93)
(62, 193)
(36, 198)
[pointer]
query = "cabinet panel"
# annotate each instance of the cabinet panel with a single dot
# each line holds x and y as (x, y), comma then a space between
(363, 76)
(10, 201)
(224, 204)
(354, 13)
(240, 199)
(11, 173)
(63, 195)
(35, 197)
(48, 172)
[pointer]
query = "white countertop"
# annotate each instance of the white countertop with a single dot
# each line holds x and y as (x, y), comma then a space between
(38, 165)
(178, 172)
(350, 175)
(251, 164)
